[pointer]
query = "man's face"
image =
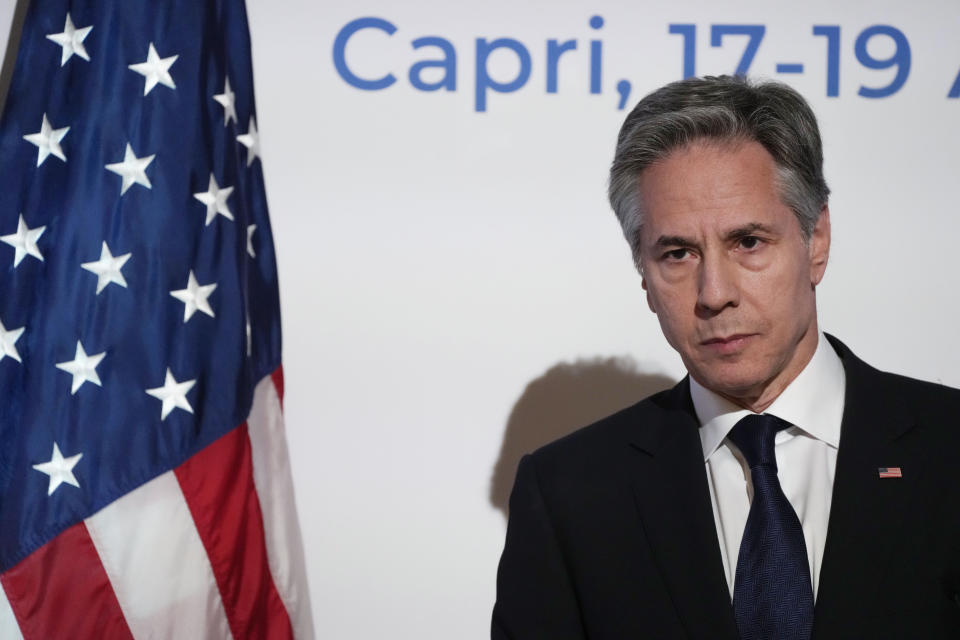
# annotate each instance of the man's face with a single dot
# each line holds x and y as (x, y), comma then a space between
(728, 271)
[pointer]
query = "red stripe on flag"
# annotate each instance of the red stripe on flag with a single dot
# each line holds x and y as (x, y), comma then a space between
(218, 485)
(61, 591)
(277, 376)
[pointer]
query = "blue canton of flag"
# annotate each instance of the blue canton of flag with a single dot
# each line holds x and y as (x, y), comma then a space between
(144, 488)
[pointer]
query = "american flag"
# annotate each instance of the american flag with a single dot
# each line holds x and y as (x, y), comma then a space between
(144, 480)
(890, 472)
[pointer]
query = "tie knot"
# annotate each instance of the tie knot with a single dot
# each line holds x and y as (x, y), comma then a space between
(754, 435)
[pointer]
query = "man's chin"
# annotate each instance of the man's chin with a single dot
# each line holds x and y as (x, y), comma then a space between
(735, 387)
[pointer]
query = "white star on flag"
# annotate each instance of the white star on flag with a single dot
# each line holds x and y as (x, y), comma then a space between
(173, 394)
(71, 39)
(8, 342)
(132, 169)
(83, 368)
(108, 268)
(216, 200)
(59, 469)
(251, 140)
(195, 297)
(47, 141)
(250, 229)
(228, 100)
(24, 241)
(155, 70)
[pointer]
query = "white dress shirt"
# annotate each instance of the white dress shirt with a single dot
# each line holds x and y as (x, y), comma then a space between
(806, 455)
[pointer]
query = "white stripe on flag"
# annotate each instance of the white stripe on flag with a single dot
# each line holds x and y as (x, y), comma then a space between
(274, 483)
(8, 622)
(160, 572)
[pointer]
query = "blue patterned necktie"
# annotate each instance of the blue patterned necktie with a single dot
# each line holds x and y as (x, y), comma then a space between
(772, 594)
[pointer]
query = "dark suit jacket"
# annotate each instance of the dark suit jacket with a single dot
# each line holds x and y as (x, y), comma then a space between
(611, 531)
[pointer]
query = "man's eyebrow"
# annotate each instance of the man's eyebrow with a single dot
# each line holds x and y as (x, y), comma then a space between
(674, 241)
(749, 230)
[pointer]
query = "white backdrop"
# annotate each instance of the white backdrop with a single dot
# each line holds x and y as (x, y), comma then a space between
(448, 273)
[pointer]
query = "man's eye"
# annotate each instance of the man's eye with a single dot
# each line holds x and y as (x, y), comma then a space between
(676, 254)
(750, 242)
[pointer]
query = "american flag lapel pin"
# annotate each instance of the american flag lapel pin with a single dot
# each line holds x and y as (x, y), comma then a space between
(890, 472)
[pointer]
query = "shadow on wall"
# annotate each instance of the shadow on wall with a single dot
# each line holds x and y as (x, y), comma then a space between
(566, 397)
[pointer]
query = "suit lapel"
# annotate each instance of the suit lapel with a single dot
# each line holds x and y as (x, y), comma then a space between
(866, 513)
(671, 492)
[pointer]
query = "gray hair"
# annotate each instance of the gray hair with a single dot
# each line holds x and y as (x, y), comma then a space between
(725, 109)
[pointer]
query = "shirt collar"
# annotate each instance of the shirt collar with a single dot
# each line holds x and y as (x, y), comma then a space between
(813, 402)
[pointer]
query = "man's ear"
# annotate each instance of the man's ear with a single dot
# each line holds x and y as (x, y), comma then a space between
(820, 246)
(638, 263)
(643, 283)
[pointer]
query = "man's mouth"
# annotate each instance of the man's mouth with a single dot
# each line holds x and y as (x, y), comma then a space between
(728, 344)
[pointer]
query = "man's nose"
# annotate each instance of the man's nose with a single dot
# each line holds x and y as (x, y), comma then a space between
(718, 285)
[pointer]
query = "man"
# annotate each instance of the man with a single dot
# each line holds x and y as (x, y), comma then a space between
(784, 488)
